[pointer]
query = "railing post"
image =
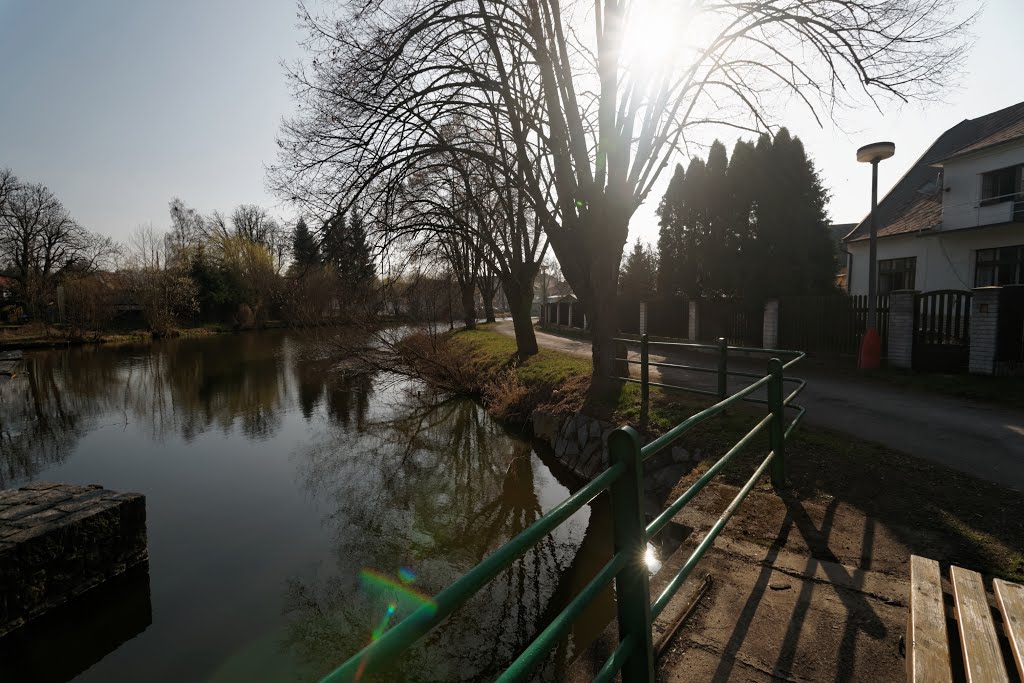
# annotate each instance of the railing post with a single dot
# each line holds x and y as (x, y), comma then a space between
(777, 430)
(632, 591)
(645, 378)
(723, 369)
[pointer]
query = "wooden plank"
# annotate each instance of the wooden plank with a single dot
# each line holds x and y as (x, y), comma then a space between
(983, 661)
(1010, 598)
(927, 644)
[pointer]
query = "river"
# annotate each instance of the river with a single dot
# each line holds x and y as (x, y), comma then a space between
(291, 508)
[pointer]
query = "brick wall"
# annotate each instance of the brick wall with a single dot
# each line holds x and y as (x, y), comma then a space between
(901, 329)
(984, 330)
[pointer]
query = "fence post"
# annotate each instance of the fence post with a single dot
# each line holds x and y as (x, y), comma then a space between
(643, 317)
(645, 378)
(770, 325)
(723, 368)
(692, 322)
(900, 342)
(984, 330)
(632, 592)
(777, 431)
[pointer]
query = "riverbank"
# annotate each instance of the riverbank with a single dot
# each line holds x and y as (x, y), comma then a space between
(913, 506)
(38, 336)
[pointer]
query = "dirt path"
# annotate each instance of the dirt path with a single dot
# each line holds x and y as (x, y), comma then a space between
(799, 592)
(982, 440)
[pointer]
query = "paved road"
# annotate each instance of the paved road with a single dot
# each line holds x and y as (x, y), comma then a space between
(983, 440)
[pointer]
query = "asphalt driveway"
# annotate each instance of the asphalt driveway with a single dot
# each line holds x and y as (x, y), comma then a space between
(983, 440)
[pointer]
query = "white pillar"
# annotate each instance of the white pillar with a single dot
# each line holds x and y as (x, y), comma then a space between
(770, 324)
(901, 328)
(984, 330)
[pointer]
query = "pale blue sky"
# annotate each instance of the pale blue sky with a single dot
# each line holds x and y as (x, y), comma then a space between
(120, 105)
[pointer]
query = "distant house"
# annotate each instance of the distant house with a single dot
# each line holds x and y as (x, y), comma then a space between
(956, 219)
(837, 231)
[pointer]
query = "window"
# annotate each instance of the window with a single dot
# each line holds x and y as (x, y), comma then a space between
(896, 273)
(1002, 266)
(1000, 186)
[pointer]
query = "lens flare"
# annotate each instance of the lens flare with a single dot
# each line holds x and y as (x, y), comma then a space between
(397, 593)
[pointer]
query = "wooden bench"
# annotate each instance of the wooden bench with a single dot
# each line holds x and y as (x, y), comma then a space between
(928, 651)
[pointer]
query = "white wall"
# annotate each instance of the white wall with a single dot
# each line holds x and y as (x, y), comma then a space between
(962, 178)
(944, 261)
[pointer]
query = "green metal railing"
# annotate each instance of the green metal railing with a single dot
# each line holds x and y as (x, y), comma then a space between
(721, 350)
(623, 479)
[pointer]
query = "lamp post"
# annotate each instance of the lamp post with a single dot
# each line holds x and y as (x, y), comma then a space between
(870, 355)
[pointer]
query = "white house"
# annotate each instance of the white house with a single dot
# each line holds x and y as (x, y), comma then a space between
(956, 219)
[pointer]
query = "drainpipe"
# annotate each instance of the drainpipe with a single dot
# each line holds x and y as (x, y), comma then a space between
(849, 266)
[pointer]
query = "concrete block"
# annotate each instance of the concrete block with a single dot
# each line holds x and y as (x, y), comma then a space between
(67, 540)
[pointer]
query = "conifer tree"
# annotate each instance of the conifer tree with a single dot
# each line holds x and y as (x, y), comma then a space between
(754, 226)
(305, 250)
(638, 273)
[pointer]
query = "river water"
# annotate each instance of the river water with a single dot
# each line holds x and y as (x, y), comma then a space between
(291, 507)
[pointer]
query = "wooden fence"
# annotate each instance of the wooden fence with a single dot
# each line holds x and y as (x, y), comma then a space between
(740, 322)
(1010, 332)
(831, 323)
(669, 317)
(942, 324)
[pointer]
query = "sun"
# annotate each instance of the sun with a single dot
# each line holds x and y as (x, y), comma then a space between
(658, 36)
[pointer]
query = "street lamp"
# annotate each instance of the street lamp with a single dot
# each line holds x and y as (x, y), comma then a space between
(870, 356)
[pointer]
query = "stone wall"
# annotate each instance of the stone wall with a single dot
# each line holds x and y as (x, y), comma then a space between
(58, 541)
(581, 444)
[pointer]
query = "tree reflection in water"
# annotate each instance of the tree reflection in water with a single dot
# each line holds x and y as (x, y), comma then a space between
(436, 487)
(406, 481)
(177, 387)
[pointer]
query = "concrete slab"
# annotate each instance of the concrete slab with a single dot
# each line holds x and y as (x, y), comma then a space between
(57, 541)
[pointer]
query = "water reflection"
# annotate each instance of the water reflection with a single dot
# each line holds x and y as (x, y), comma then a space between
(448, 488)
(178, 387)
(365, 473)
(72, 638)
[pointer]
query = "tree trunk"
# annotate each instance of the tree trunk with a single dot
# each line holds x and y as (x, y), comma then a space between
(605, 353)
(590, 255)
(467, 293)
(520, 303)
(488, 306)
(488, 285)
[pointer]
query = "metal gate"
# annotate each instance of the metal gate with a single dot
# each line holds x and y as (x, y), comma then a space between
(942, 321)
(740, 322)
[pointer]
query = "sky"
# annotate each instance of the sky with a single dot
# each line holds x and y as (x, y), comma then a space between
(118, 106)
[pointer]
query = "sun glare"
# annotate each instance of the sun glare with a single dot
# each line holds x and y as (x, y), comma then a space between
(652, 37)
(664, 35)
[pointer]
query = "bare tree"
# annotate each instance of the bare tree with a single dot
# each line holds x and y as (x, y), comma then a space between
(8, 181)
(253, 223)
(39, 238)
(591, 119)
(161, 287)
